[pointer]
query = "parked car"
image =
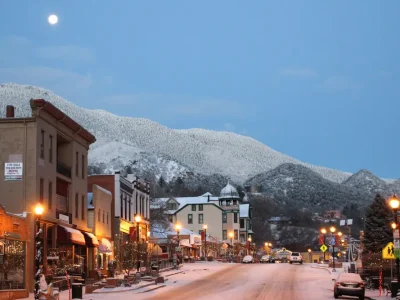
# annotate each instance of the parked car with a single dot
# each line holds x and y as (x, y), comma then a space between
(296, 257)
(248, 259)
(349, 284)
(267, 259)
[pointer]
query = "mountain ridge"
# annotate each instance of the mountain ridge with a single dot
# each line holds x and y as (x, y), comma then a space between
(170, 152)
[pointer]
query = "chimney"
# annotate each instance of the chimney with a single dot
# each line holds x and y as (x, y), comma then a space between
(208, 198)
(10, 111)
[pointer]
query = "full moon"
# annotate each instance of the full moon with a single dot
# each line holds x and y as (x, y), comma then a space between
(53, 19)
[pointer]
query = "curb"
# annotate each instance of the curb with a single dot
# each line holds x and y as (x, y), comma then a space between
(174, 273)
(156, 288)
(126, 290)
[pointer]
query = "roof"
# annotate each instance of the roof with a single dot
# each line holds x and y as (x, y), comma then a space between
(244, 210)
(229, 192)
(63, 118)
(183, 201)
(103, 189)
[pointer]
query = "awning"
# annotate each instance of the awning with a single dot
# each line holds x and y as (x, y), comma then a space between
(105, 246)
(75, 236)
(91, 239)
(185, 243)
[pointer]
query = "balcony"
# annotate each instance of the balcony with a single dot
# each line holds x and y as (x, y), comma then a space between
(63, 170)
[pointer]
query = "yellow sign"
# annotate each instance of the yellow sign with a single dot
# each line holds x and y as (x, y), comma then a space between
(323, 248)
(388, 251)
(339, 254)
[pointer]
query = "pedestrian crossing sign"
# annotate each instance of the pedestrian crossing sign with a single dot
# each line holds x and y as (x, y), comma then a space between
(323, 248)
(388, 251)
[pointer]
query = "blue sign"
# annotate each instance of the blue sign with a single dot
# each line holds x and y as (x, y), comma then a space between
(332, 241)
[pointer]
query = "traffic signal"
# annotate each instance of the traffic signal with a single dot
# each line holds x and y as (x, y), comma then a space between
(321, 240)
(337, 240)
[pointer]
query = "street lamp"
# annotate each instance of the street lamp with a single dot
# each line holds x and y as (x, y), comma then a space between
(205, 240)
(38, 257)
(332, 229)
(138, 218)
(309, 254)
(178, 230)
(394, 204)
(323, 231)
(231, 236)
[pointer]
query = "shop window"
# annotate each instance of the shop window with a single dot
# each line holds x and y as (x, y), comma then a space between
(12, 266)
(235, 217)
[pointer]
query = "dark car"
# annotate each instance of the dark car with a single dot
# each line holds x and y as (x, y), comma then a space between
(267, 259)
(349, 284)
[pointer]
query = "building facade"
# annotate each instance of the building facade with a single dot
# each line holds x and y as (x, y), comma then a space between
(44, 159)
(100, 221)
(130, 199)
(227, 219)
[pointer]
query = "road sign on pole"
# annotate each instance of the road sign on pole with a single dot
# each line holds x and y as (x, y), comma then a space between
(388, 251)
(323, 248)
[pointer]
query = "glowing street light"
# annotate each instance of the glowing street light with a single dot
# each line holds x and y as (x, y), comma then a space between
(38, 257)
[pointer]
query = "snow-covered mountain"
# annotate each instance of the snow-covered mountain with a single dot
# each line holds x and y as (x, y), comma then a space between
(367, 181)
(151, 146)
(300, 187)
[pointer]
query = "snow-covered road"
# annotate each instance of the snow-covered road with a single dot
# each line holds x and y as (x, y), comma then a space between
(258, 281)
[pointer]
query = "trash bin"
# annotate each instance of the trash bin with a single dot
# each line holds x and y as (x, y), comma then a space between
(77, 290)
(394, 288)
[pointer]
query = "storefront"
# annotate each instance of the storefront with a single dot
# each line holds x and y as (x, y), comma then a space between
(13, 255)
(103, 254)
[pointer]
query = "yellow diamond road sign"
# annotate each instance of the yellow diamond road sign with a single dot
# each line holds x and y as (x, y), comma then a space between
(388, 251)
(323, 248)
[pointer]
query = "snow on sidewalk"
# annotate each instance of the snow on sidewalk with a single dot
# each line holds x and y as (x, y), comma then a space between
(187, 273)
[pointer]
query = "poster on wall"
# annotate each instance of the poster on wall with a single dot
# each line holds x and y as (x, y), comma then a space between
(13, 171)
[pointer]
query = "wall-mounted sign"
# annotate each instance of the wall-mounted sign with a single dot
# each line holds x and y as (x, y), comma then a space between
(64, 218)
(13, 171)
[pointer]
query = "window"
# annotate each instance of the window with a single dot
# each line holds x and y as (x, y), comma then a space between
(77, 164)
(76, 206)
(51, 149)
(200, 207)
(104, 216)
(171, 218)
(50, 195)
(107, 218)
(190, 219)
(241, 223)
(228, 202)
(200, 218)
(224, 218)
(42, 144)
(236, 235)
(83, 207)
(224, 235)
(171, 206)
(234, 202)
(193, 207)
(235, 217)
(242, 237)
(83, 166)
(16, 259)
(98, 216)
(126, 208)
(41, 188)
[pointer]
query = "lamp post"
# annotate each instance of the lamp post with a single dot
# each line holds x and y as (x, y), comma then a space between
(248, 249)
(205, 241)
(138, 218)
(332, 229)
(310, 255)
(394, 204)
(38, 256)
(231, 237)
(268, 247)
(323, 231)
(178, 230)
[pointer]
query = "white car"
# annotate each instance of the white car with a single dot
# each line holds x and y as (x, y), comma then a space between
(296, 257)
(248, 259)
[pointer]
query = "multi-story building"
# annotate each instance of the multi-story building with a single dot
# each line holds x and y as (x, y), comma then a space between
(45, 160)
(100, 221)
(130, 199)
(223, 215)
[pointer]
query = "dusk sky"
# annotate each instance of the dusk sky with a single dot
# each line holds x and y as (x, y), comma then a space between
(316, 80)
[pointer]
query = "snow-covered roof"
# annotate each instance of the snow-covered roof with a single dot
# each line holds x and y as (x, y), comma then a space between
(90, 201)
(229, 192)
(182, 201)
(160, 232)
(103, 189)
(244, 210)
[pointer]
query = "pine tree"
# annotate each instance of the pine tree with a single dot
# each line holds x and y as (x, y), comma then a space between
(377, 225)
(161, 182)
